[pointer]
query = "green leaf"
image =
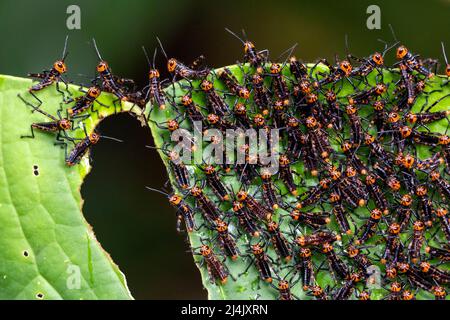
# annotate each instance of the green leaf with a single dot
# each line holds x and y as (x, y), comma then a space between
(45, 242)
(248, 285)
(43, 233)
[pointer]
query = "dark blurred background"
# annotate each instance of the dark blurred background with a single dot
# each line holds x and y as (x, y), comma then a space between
(135, 226)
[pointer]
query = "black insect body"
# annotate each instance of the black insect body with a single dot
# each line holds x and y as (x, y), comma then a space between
(442, 214)
(306, 268)
(192, 109)
(362, 261)
(48, 77)
(425, 203)
(286, 174)
(184, 211)
(216, 270)
(318, 293)
(340, 214)
(337, 266)
(179, 170)
(314, 194)
(319, 138)
(269, 189)
(84, 102)
(346, 188)
(343, 70)
(296, 139)
(261, 96)
(410, 62)
(298, 69)
(255, 208)
(392, 243)
(216, 103)
(442, 254)
(376, 193)
(108, 81)
(81, 148)
(370, 225)
(355, 124)
(279, 84)
(334, 110)
(58, 125)
(352, 158)
(242, 119)
(255, 58)
(426, 117)
(365, 96)
(180, 70)
(226, 240)
(436, 273)
(318, 238)
(442, 184)
(214, 182)
(414, 276)
(233, 84)
(380, 118)
(312, 219)
(279, 241)
(344, 292)
(262, 262)
(245, 219)
(209, 209)
(376, 60)
(284, 290)
(417, 241)
(154, 92)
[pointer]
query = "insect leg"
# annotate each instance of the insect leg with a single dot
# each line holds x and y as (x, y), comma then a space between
(29, 136)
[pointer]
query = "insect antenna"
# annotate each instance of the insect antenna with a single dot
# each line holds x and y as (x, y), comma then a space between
(235, 35)
(111, 138)
(96, 49)
(443, 52)
(386, 46)
(37, 108)
(163, 149)
(162, 48)
(146, 56)
(154, 58)
(289, 50)
(159, 191)
(65, 53)
(346, 46)
(393, 33)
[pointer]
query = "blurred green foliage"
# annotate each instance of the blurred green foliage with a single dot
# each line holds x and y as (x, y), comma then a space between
(187, 29)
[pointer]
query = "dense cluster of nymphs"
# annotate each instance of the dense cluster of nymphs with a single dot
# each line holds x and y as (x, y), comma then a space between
(359, 206)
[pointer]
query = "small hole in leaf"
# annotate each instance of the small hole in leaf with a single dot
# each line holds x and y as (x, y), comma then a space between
(40, 295)
(35, 170)
(25, 253)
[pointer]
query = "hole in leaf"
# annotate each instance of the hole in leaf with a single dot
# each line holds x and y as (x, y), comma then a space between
(108, 189)
(40, 296)
(35, 170)
(25, 253)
